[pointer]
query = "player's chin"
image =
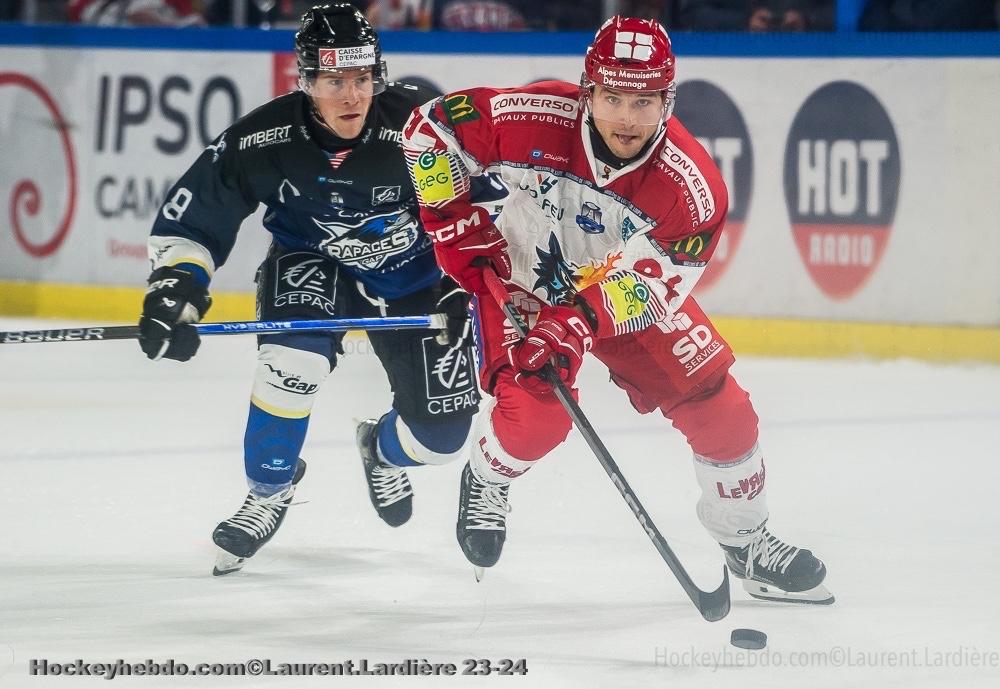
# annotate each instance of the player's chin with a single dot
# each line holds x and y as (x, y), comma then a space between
(350, 125)
(625, 146)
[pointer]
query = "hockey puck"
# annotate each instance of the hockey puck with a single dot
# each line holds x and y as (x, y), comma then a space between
(750, 639)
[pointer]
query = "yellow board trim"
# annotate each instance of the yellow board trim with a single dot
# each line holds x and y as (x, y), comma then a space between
(758, 336)
(103, 304)
(940, 343)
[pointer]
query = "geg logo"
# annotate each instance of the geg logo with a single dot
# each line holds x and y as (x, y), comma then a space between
(426, 160)
(428, 181)
(432, 172)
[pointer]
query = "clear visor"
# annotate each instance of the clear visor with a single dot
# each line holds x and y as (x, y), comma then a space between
(628, 108)
(346, 85)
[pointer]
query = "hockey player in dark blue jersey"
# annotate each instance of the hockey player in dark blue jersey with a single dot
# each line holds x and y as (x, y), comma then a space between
(347, 241)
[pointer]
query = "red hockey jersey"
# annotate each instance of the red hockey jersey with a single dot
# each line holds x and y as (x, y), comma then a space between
(632, 241)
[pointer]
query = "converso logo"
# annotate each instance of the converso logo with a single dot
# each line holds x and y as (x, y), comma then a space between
(842, 174)
(711, 115)
(26, 198)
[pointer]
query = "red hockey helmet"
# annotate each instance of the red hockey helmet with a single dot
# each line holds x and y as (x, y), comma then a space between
(630, 54)
(634, 55)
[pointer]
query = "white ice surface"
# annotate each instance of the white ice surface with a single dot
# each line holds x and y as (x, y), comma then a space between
(114, 470)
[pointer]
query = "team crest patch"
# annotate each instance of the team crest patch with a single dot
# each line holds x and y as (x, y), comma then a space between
(383, 195)
(561, 279)
(589, 219)
(458, 108)
(628, 228)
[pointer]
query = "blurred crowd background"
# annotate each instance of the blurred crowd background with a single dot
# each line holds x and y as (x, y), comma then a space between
(531, 15)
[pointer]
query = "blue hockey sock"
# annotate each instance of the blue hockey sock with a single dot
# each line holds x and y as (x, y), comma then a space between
(424, 442)
(271, 450)
(390, 450)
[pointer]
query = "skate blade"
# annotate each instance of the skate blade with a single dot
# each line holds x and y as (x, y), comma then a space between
(479, 573)
(227, 563)
(818, 595)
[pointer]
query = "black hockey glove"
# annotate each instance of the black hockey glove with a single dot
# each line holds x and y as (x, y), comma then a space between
(454, 303)
(174, 300)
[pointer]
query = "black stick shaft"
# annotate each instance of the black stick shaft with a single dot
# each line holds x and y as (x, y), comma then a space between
(88, 334)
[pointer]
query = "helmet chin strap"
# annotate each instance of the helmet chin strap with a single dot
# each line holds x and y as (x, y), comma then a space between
(313, 109)
(318, 116)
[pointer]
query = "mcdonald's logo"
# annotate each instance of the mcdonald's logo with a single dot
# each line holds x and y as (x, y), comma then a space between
(689, 250)
(692, 246)
(458, 108)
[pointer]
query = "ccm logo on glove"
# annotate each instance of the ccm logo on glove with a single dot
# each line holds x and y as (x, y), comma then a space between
(457, 228)
(559, 331)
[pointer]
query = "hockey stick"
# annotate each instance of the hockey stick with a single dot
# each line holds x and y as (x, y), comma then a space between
(714, 605)
(434, 321)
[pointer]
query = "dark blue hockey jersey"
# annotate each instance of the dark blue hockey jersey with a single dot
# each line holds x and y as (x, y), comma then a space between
(354, 204)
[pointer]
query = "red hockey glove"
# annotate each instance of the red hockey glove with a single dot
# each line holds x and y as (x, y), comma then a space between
(465, 259)
(560, 331)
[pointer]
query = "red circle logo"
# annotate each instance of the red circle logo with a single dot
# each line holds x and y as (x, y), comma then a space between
(26, 197)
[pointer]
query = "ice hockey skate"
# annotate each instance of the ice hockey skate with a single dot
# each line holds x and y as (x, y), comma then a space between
(253, 525)
(774, 570)
(482, 519)
(388, 486)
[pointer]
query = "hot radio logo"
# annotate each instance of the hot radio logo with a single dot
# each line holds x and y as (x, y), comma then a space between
(708, 113)
(842, 170)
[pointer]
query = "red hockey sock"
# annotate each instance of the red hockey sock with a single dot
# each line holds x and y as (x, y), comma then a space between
(527, 427)
(720, 425)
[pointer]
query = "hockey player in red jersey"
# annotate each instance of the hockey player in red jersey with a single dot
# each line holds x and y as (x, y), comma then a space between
(600, 211)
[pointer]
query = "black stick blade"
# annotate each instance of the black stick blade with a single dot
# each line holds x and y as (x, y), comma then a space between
(715, 605)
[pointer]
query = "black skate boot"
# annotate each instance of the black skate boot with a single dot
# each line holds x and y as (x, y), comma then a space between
(388, 486)
(774, 570)
(253, 525)
(482, 519)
